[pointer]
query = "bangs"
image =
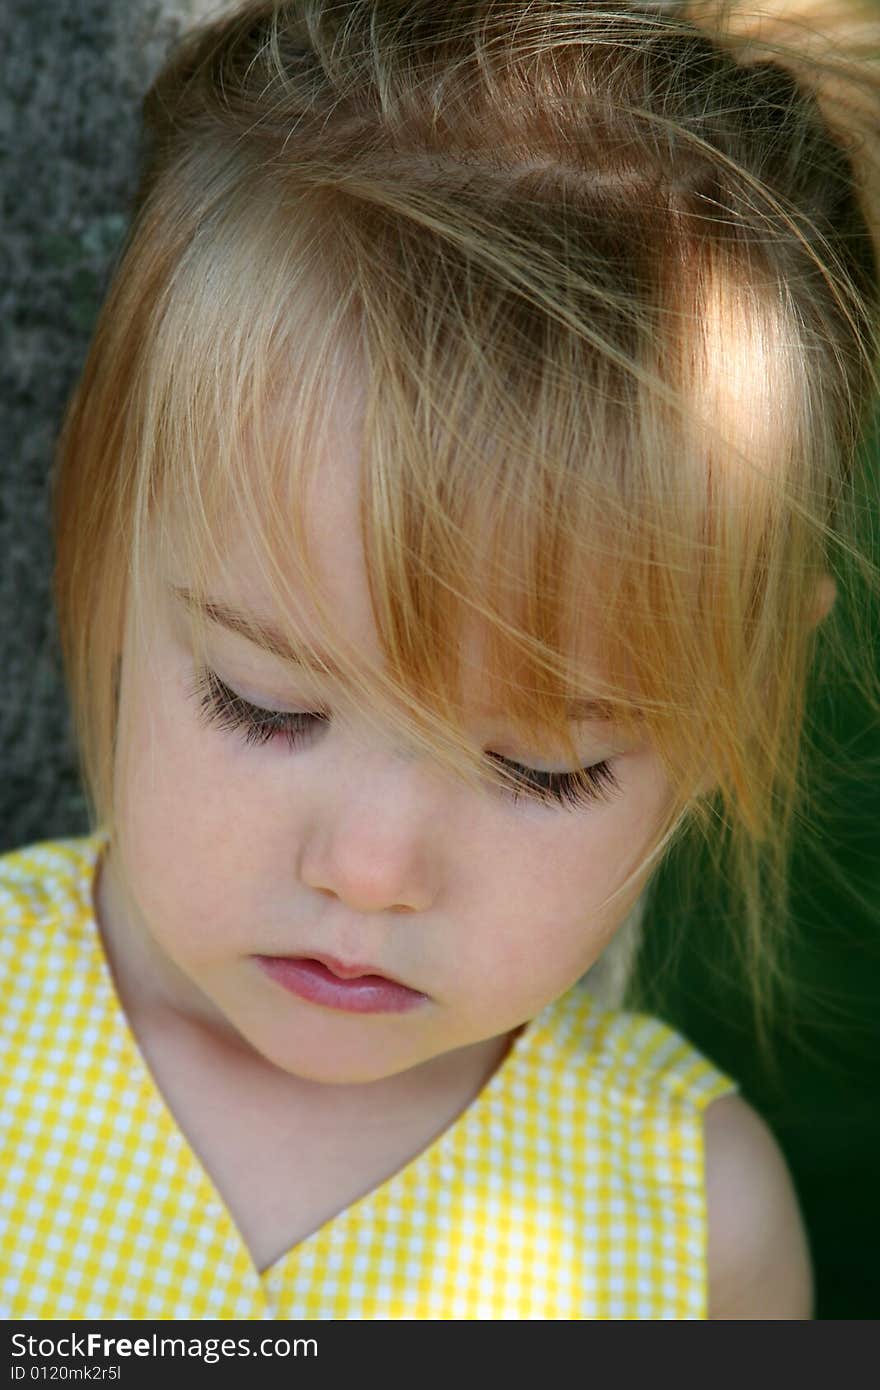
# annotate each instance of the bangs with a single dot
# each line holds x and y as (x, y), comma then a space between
(536, 458)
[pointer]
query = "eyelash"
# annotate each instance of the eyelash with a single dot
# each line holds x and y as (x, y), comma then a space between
(218, 705)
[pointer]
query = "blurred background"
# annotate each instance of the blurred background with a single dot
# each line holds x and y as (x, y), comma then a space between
(74, 72)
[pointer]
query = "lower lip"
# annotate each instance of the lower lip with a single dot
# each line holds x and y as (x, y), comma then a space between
(367, 994)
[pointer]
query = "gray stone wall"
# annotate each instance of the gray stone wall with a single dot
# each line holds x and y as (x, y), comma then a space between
(73, 76)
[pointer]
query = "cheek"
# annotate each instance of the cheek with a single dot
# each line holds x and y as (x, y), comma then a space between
(546, 896)
(573, 861)
(189, 824)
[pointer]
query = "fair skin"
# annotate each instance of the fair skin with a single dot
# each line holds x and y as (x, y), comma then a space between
(349, 846)
(758, 1257)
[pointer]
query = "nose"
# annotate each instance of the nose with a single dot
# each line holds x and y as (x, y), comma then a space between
(371, 842)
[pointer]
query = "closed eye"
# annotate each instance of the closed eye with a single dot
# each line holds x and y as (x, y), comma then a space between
(221, 706)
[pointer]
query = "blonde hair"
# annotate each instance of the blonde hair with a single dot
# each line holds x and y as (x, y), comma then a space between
(602, 286)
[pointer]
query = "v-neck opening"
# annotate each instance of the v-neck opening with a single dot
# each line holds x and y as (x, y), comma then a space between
(441, 1152)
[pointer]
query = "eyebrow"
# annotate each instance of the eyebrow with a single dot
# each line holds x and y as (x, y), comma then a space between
(268, 638)
(256, 630)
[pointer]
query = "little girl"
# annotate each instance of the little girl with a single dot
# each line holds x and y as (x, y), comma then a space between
(443, 527)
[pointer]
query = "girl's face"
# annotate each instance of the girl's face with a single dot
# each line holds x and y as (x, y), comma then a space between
(348, 848)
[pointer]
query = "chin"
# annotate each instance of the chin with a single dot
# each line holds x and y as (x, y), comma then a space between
(325, 1068)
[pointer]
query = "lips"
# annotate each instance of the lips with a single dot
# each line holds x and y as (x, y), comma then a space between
(347, 972)
(333, 984)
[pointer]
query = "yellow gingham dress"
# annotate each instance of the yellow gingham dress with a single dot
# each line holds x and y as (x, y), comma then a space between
(572, 1187)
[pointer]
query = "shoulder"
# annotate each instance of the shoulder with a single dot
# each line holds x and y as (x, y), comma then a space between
(758, 1257)
(46, 888)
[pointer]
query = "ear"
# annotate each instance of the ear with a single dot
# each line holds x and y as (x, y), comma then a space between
(823, 599)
